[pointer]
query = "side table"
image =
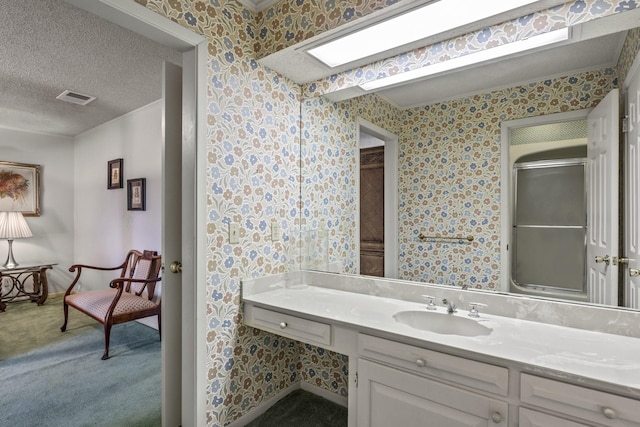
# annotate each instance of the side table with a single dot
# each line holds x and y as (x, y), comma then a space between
(19, 279)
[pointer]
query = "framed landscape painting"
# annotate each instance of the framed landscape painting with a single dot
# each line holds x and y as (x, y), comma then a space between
(20, 188)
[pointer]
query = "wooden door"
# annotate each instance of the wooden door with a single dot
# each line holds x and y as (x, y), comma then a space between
(602, 201)
(171, 244)
(632, 195)
(372, 211)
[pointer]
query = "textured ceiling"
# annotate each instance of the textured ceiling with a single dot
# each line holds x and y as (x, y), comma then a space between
(49, 46)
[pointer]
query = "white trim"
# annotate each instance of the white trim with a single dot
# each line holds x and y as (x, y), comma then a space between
(635, 65)
(505, 179)
(324, 393)
(505, 86)
(390, 197)
(141, 20)
(200, 176)
(264, 406)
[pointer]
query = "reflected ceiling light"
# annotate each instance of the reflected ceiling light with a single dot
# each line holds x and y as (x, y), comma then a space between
(519, 46)
(431, 19)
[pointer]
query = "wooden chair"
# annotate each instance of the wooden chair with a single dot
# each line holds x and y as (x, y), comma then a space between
(128, 298)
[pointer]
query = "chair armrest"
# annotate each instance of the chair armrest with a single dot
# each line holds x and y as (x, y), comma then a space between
(79, 267)
(120, 282)
(93, 267)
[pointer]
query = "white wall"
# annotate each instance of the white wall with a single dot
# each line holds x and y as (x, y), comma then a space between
(104, 229)
(52, 239)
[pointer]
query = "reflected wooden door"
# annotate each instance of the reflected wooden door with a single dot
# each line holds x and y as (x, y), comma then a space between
(632, 195)
(372, 211)
(602, 201)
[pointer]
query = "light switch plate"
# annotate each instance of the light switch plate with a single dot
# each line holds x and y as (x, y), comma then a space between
(234, 233)
(275, 231)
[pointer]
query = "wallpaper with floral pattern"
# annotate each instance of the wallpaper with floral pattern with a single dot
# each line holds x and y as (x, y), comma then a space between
(449, 180)
(329, 171)
(253, 177)
(290, 22)
(570, 13)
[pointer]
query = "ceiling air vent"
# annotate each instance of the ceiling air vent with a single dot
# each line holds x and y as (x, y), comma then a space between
(75, 97)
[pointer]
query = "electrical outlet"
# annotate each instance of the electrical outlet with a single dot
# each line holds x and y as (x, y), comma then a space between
(275, 231)
(234, 233)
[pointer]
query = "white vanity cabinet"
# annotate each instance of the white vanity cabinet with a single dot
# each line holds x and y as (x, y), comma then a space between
(403, 385)
(584, 406)
(523, 374)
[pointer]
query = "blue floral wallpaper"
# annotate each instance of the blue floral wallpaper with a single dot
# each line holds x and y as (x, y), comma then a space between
(253, 153)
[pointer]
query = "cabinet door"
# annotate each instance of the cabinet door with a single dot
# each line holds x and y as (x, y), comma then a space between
(529, 418)
(390, 397)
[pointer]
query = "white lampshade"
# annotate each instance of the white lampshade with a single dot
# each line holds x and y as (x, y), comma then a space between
(13, 226)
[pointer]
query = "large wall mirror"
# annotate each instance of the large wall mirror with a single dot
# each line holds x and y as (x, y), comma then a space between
(483, 174)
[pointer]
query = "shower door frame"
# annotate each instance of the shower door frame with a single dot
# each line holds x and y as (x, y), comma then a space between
(538, 288)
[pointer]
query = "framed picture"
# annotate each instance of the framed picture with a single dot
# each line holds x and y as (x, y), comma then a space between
(20, 188)
(136, 194)
(114, 174)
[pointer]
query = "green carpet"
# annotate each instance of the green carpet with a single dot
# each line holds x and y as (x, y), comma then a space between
(64, 382)
(302, 409)
(24, 326)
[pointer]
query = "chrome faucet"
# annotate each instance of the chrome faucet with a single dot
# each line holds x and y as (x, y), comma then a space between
(451, 307)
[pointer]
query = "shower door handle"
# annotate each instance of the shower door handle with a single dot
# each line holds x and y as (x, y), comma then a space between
(604, 259)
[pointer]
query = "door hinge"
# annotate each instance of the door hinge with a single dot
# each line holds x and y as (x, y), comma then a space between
(625, 124)
(356, 380)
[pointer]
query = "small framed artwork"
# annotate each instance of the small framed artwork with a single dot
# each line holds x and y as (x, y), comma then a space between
(114, 174)
(136, 194)
(20, 188)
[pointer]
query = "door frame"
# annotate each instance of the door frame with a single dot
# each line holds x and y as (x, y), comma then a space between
(390, 196)
(506, 193)
(139, 19)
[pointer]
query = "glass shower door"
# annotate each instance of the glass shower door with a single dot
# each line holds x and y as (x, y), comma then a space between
(549, 226)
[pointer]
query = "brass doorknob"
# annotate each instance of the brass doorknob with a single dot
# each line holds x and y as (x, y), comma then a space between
(634, 272)
(176, 267)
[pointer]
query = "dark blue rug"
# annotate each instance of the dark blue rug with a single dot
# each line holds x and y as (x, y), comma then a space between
(67, 384)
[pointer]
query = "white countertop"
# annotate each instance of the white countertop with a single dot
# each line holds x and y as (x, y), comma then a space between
(583, 356)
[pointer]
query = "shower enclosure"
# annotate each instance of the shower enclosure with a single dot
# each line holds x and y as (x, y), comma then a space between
(549, 227)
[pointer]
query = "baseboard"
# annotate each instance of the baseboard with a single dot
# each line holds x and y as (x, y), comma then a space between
(325, 394)
(151, 322)
(263, 407)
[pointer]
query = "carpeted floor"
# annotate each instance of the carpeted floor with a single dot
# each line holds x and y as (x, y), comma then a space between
(64, 382)
(49, 378)
(24, 326)
(302, 409)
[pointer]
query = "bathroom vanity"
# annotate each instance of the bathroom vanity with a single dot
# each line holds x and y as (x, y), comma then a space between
(521, 362)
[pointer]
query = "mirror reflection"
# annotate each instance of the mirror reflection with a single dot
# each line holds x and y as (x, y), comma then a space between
(491, 188)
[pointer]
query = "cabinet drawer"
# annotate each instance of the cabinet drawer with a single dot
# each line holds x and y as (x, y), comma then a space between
(529, 418)
(478, 375)
(300, 329)
(591, 405)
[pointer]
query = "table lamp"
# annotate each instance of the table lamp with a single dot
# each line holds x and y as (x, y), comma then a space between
(13, 226)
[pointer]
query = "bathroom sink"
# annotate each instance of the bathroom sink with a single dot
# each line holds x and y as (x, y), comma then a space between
(442, 323)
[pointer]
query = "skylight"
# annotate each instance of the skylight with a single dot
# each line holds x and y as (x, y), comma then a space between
(434, 18)
(482, 56)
